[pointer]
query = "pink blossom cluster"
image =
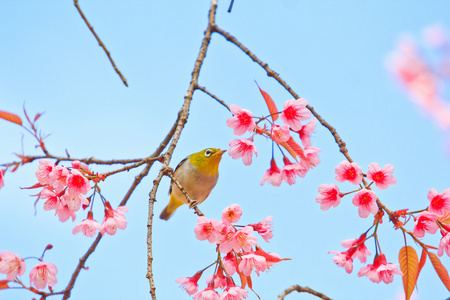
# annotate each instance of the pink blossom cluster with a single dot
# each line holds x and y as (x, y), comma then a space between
(64, 191)
(242, 255)
(41, 275)
(424, 72)
(364, 199)
(292, 115)
(379, 271)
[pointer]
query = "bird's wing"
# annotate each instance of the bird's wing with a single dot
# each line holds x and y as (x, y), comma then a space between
(174, 172)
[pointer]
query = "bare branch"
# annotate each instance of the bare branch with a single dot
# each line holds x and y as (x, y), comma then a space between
(212, 96)
(302, 290)
(100, 43)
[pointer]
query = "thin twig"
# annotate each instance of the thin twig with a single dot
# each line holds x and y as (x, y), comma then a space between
(100, 43)
(212, 96)
(276, 76)
(178, 127)
(301, 289)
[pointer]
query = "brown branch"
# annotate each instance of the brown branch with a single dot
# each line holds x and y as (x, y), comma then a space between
(177, 127)
(276, 76)
(100, 43)
(212, 96)
(301, 289)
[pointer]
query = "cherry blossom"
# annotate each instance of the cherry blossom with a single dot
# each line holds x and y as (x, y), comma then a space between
(44, 169)
(357, 248)
(11, 264)
(280, 134)
(208, 229)
(53, 199)
(2, 181)
(114, 219)
(230, 263)
(189, 284)
(295, 111)
(43, 274)
(234, 293)
(348, 171)
(439, 203)
(207, 294)
(290, 171)
(425, 221)
(64, 213)
(231, 214)
(380, 270)
(343, 259)
(272, 175)
(444, 244)
(264, 228)
(58, 177)
(329, 195)
(242, 148)
(77, 183)
(241, 121)
(305, 132)
(243, 239)
(73, 201)
(252, 262)
(365, 200)
(88, 226)
(382, 177)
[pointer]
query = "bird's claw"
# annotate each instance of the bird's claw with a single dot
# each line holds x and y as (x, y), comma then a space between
(193, 204)
(167, 170)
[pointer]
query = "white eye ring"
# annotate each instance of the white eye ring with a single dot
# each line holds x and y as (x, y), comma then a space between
(208, 152)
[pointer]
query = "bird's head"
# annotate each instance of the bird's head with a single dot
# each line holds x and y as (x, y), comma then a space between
(207, 160)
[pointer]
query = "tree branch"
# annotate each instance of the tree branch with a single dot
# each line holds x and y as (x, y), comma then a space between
(100, 43)
(302, 290)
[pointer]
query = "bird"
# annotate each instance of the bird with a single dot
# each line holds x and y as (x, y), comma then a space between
(197, 174)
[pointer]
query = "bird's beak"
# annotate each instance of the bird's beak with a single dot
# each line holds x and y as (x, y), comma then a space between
(221, 152)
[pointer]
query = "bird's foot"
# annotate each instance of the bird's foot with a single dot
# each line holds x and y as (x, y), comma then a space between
(193, 204)
(167, 170)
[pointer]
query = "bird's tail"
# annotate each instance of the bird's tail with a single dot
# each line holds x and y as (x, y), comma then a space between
(174, 203)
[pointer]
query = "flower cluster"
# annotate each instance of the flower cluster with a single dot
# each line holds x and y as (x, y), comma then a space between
(292, 115)
(64, 190)
(41, 275)
(242, 255)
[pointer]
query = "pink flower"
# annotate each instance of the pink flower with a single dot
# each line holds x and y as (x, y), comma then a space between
(242, 148)
(305, 132)
(381, 270)
(234, 293)
(290, 171)
(312, 156)
(43, 171)
(88, 226)
(11, 264)
(271, 258)
(218, 280)
(365, 200)
(2, 182)
(64, 213)
(264, 228)
(76, 164)
(357, 248)
(58, 177)
(53, 199)
(231, 214)
(226, 243)
(73, 201)
(280, 134)
(252, 262)
(207, 294)
(444, 244)
(77, 183)
(230, 263)
(329, 195)
(114, 218)
(295, 111)
(43, 274)
(189, 284)
(208, 229)
(241, 121)
(342, 259)
(348, 171)
(425, 221)
(439, 203)
(273, 175)
(243, 239)
(382, 177)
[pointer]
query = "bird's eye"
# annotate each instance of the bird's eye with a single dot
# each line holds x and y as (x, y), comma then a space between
(208, 152)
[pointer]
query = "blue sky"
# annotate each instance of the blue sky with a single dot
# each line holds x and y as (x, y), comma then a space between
(332, 53)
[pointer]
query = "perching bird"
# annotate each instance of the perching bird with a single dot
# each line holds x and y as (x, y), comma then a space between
(197, 174)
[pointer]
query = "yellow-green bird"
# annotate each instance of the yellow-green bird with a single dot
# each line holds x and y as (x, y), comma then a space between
(197, 174)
